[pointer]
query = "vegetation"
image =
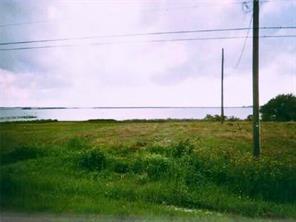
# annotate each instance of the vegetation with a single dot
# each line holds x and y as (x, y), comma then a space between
(209, 117)
(17, 117)
(280, 108)
(148, 168)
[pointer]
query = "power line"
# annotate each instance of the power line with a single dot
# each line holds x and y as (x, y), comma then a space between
(147, 41)
(244, 44)
(141, 34)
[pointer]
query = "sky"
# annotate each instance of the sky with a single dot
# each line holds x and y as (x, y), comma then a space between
(131, 71)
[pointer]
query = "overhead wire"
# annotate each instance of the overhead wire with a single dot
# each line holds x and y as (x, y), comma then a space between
(244, 45)
(147, 34)
(146, 41)
(141, 34)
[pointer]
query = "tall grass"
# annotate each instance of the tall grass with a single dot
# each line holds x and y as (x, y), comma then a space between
(184, 172)
(20, 153)
(264, 179)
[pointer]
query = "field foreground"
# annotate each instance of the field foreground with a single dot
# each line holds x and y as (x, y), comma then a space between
(141, 170)
(201, 217)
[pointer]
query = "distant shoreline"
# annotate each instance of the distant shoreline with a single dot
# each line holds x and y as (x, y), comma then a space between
(128, 107)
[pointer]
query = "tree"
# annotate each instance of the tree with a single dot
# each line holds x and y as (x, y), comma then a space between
(280, 108)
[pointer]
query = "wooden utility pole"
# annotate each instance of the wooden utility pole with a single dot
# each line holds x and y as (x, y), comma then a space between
(256, 121)
(222, 87)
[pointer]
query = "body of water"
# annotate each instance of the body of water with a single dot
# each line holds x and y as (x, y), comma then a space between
(120, 113)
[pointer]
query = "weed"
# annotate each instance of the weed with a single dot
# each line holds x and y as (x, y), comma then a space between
(217, 173)
(93, 159)
(77, 143)
(20, 153)
(157, 166)
(120, 166)
(182, 148)
(158, 149)
(138, 165)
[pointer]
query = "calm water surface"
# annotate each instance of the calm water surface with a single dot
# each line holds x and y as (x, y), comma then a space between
(79, 114)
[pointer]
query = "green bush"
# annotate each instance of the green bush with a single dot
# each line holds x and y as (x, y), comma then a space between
(232, 118)
(192, 172)
(123, 150)
(249, 117)
(93, 159)
(157, 166)
(20, 153)
(158, 149)
(120, 166)
(154, 165)
(265, 178)
(138, 165)
(181, 149)
(209, 117)
(77, 143)
(8, 185)
(217, 118)
(280, 108)
(121, 192)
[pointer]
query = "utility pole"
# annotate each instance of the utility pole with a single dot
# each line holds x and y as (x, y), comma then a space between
(256, 121)
(222, 87)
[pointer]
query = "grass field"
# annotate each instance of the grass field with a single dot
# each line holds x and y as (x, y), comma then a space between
(159, 168)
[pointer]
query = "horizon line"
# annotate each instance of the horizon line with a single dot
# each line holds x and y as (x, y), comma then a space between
(116, 107)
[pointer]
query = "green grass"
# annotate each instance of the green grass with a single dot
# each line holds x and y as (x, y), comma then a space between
(148, 168)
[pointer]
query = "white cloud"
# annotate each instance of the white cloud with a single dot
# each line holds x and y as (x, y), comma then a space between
(175, 73)
(10, 93)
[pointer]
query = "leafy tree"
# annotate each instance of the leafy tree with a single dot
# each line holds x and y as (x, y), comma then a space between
(280, 108)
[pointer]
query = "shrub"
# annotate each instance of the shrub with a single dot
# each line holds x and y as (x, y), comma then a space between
(120, 166)
(157, 166)
(121, 192)
(8, 185)
(93, 159)
(192, 171)
(232, 118)
(249, 118)
(157, 149)
(218, 118)
(265, 178)
(77, 143)
(209, 117)
(280, 108)
(20, 153)
(138, 165)
(154, 165)
(182, 148)
(123, 150)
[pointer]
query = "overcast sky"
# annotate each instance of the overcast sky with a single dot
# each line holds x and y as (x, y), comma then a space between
(141, 74)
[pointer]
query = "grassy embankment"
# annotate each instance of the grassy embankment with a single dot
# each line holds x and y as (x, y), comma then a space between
(148, 168)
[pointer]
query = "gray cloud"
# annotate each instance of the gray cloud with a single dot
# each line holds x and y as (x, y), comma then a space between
(110, 75)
